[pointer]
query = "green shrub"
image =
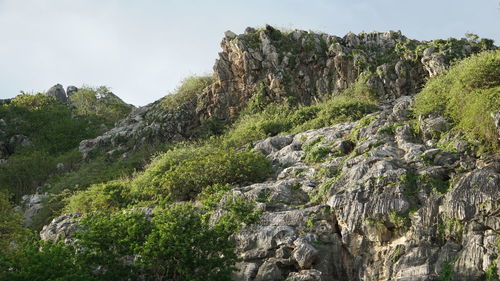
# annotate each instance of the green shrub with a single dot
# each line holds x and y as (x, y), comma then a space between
(491, 272)
(336, 110)
(182, 246)
(236, 209)
(54, 133)
(108, 238)
(251, 127)
(176, 244)
(40, 260)
(33, 102)
(447, 272)
(467, 94)
(190, 87)
(24, 172)
(11, 229)
(105, 197)
(182, 173)
(100, 103)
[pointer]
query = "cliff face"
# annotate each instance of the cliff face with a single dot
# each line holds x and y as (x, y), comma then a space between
(297, 67)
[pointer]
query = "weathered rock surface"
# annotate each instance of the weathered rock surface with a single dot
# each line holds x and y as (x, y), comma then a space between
(57, 91)
(390, 212)
(61, 228)
(31, 205)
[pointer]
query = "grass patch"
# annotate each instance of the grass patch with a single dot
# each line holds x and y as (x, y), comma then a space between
(468, 94)
(189, 89)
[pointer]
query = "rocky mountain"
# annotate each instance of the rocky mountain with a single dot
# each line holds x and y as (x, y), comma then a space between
(382, 164)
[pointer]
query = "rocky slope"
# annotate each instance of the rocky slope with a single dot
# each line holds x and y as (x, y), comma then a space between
(377, 204)
(393, 208)
(376, 199)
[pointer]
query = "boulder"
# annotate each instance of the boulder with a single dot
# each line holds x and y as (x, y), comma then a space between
(57, 91)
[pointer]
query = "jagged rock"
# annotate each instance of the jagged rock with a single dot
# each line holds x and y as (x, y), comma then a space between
(71, 90)
(305, 275)
(31, 205)
(18, 140)
(278, 65)
(305, 254)
(229, 34)
(61, 228)
(433, 127)
(269, 271)
(387, 219)
(57, 91)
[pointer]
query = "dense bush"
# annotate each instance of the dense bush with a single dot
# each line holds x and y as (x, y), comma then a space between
(189, 88)
(178, 243)
(41, 261)
(11, 229)
(467, 94)
(182, 173)
(182, 246)
(100, 103)
(53, 133)
(49, 125)
(104, 197)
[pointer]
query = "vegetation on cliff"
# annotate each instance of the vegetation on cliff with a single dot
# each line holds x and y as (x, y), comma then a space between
(155, 213)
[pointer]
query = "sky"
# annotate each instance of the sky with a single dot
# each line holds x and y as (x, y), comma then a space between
(142, 49)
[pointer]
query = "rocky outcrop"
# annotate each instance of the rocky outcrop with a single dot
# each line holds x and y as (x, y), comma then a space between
(396, 208)
(61, 228)
(147, 124)
(298, 67)
(71, 90)
(57, 91)
(30, 206)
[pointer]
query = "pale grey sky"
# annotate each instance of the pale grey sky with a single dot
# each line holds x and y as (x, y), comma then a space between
(141, 49)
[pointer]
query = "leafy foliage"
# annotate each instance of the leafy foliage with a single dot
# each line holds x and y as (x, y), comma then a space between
(53, 132)
(104, 197)
(11, 229)
(182, 173)
(467, 94)
(100, 103)
(178, 243)
(40, 261)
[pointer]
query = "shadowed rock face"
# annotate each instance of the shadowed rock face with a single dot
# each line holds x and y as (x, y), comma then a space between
(298, 67)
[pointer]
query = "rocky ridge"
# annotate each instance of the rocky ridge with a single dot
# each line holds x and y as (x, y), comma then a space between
(299, 67)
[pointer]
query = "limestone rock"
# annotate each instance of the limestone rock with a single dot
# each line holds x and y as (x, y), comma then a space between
(71, 90)
(61, 228)
(57, 91)
(31, 205)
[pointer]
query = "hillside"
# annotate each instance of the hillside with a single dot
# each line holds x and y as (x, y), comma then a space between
(305, 156)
